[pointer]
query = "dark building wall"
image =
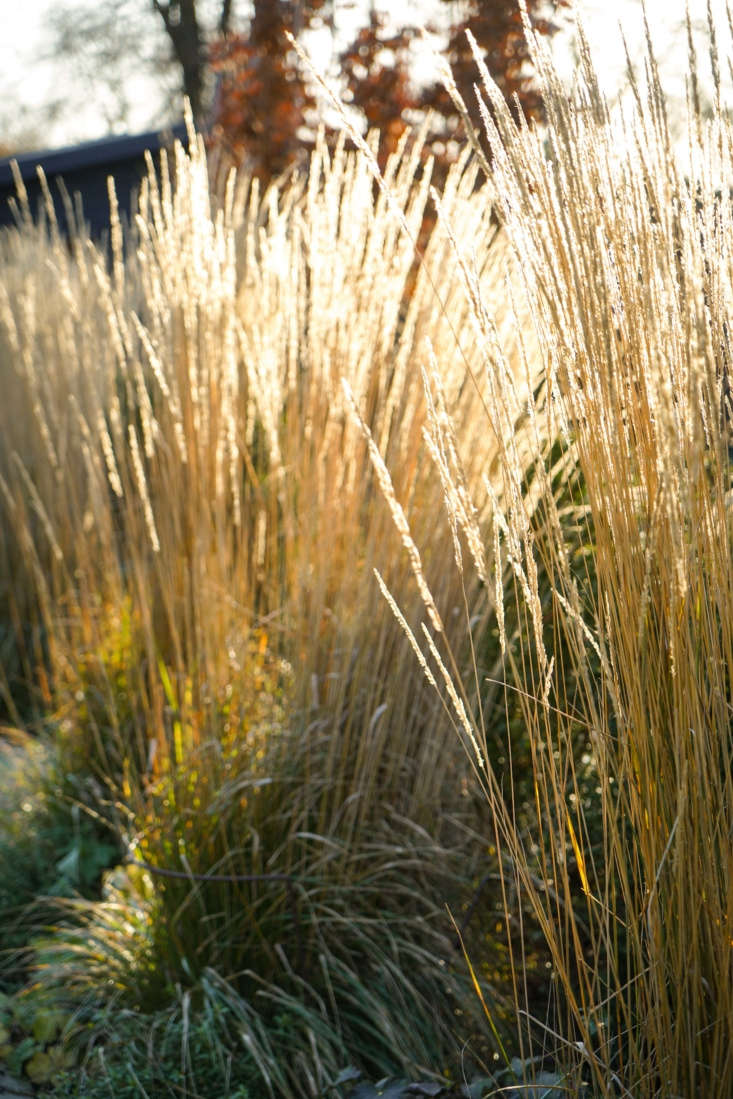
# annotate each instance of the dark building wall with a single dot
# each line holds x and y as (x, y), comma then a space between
(84, 170)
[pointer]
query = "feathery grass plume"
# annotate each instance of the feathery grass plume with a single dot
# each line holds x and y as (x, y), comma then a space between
(227, 686)
(616, 533)
(398, 516)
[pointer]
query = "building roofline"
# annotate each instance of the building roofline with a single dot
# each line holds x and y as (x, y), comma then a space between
(71, 158)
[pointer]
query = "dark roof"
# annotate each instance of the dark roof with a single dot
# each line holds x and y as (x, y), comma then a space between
(89, 154)
(84, 170)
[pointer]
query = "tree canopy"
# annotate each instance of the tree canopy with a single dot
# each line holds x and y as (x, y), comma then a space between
(247, 88)
(263, 99)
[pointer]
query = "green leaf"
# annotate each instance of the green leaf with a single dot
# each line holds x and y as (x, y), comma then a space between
(46, 1065)
(47, 1024)
(68, 866)
(5, 1043)
(346, 1076)
(21, 1052)
(545, 1085)
(39, 1068)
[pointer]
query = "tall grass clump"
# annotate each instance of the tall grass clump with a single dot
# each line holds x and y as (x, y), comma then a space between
(607, 550)
(190, 523)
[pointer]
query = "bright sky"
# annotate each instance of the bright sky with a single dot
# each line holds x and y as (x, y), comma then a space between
(26, 85)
